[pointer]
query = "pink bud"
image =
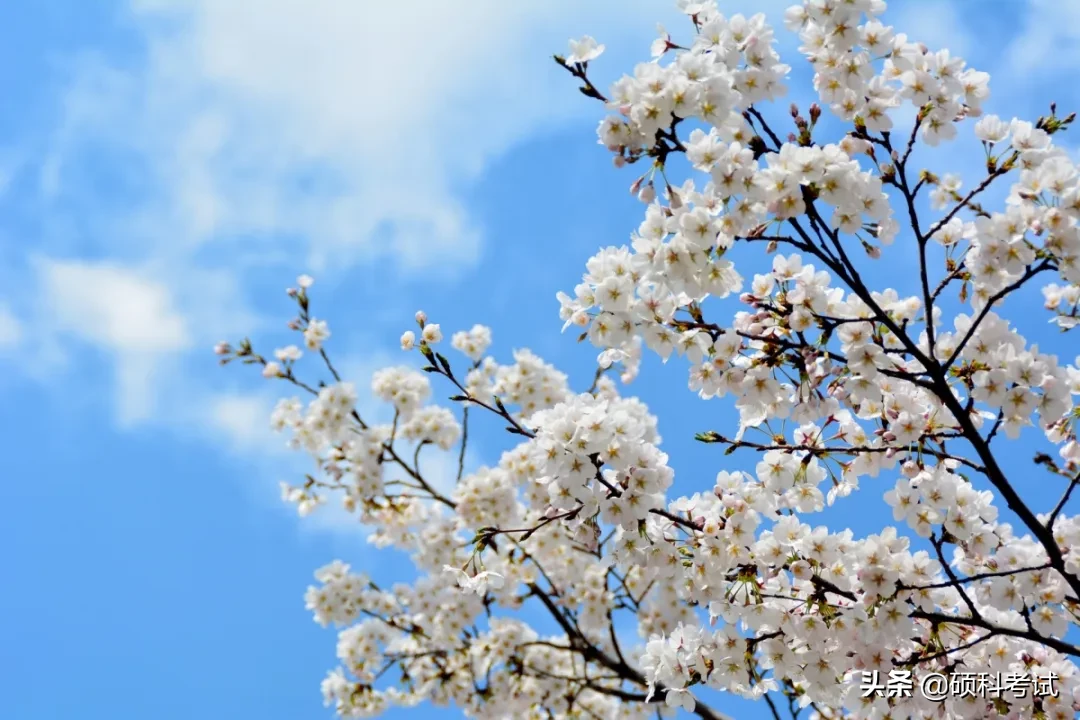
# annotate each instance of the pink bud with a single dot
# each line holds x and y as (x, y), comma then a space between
(647, 194)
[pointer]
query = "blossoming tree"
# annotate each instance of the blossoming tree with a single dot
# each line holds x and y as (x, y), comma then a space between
(733, 587)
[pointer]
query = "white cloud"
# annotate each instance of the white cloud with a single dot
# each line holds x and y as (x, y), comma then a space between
(285, 133)
(242, 421)
(937, 24)
(355, 128)
(122, 312)
(11, 330)
(1050, 40)
(113, 307)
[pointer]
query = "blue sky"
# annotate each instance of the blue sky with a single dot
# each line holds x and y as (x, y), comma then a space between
(168, 167)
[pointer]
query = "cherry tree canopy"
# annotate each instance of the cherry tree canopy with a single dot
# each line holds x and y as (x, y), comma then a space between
(734, 587)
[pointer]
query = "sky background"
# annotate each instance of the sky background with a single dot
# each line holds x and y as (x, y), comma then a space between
(168, 167)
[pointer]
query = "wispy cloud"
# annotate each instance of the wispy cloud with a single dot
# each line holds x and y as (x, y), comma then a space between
(242, 421)
(11, 330)
(112, 306)
(115, 309)
(351, 130)
(937, 24)
(1049, 42)
(290, 133)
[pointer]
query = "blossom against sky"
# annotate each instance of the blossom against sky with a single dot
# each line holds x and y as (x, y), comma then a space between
(167, 167)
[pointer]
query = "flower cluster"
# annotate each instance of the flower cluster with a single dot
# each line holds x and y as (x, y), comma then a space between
(737, 587)
(842, 41)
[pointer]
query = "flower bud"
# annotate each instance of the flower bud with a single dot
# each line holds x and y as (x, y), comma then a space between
(421, 318)
(647, 194)
(222, 348)
(673, 198)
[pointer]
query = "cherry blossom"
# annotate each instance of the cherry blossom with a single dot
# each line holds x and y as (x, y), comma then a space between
(734, 584)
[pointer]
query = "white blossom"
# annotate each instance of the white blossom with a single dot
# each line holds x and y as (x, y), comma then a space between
(840, 387)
